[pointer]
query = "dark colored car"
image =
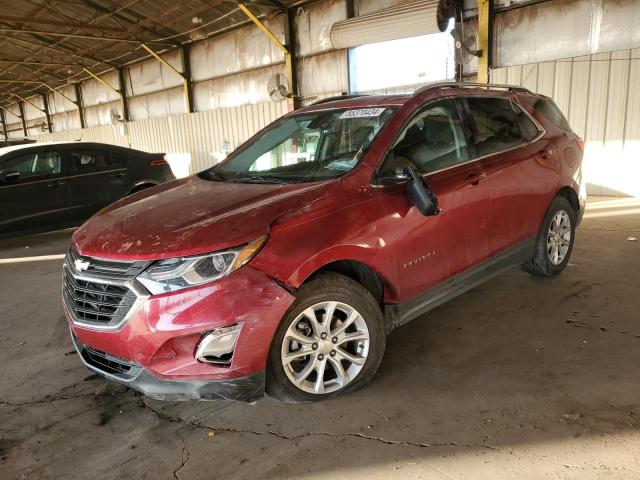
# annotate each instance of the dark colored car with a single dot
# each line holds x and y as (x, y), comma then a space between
(52, 185)
(285, 266)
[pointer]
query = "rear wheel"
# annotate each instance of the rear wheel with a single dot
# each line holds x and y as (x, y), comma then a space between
(555, 240)
(331, 341)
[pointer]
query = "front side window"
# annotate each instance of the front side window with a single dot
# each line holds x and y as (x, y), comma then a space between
(498, 125)
(304, 148)
(434, 139)
(34, 164)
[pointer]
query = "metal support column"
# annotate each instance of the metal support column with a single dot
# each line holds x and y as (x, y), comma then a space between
(290, 59)
(4, 124)
(288, 51)
(79, 105)
(24, 123)
(186, 76)
(188, 101)
(485, 39)
(45, 103)
(123, 95)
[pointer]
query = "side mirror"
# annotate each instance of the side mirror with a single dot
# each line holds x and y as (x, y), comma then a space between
(419, 193)
(9, 175)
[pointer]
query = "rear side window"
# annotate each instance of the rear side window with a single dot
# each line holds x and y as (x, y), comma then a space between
(34, 164)
(549, 110)
(498, 124)
(87, 161)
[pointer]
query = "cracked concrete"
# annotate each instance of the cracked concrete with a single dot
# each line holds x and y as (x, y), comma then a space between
(519, 378)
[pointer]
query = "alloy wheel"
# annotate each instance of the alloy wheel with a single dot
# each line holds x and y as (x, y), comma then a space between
(559, 237)
(325, 347)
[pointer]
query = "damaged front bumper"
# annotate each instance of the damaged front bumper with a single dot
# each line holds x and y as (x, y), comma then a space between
(247, 389)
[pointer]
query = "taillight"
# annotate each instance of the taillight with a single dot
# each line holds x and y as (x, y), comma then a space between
(156, 162)
(580, 143)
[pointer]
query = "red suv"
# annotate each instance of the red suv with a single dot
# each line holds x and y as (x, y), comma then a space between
(284, 267)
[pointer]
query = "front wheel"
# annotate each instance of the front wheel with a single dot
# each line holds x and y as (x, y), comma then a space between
(330, 341)
(555, 240)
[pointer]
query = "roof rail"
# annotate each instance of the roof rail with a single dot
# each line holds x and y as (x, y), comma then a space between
(488, 86)
(337, 97)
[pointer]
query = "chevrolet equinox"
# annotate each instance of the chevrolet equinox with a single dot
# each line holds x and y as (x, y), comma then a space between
(283, 268)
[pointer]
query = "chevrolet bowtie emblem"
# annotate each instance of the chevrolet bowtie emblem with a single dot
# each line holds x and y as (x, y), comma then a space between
(81, 265)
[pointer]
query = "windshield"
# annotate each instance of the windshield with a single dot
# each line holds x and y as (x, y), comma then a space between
(304, 148)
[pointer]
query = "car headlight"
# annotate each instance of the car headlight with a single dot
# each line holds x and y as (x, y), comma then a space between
(184, 272)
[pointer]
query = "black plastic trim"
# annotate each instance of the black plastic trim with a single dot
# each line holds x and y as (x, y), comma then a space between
(396, 315)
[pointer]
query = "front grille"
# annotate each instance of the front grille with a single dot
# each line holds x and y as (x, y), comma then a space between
(100, 295)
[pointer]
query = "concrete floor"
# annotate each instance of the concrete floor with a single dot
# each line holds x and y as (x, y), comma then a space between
(520, 378)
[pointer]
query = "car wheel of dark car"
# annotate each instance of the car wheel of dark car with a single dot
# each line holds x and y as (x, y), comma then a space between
(554, 243)
(330, 341)
(140, 188)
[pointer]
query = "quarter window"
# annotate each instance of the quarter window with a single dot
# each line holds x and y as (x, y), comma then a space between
(87, 161)
(433, 139)
(498, 125)
(34, 164)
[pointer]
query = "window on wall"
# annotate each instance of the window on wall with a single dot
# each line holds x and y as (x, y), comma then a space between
(384, 66)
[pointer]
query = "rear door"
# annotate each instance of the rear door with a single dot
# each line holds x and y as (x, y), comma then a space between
(37, 194)
(518, 164)
(97, 178)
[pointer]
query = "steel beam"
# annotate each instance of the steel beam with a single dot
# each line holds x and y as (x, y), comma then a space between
(24, 123)
(29, 102)
(289, 59)
(59, 23)
(78, 90)
(186, 85)
(4, 123)
(45, 103)
(485, 8)
(78, 35)
(186, 75)
(123, 94)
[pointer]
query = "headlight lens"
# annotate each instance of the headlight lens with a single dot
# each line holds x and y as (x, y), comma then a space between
(178, 273)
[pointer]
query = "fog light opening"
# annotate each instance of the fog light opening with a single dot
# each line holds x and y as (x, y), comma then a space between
(217, 347)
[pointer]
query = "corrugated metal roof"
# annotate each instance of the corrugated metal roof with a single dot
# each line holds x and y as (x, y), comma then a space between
(51, 40)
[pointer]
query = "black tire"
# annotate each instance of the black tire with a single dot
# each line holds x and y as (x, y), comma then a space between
(140, 188)
(541, 263)
(325, 287)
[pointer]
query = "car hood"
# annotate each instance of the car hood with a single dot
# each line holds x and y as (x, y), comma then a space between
(188, 217)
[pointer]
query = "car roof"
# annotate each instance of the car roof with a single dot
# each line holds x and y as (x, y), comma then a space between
(26, 146)
(428, 91)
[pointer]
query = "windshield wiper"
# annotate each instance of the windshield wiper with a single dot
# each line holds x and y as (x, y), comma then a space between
(258, 179)
(214, 176)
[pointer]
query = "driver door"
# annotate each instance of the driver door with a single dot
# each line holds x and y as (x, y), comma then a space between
(432, 249)
(37, 194)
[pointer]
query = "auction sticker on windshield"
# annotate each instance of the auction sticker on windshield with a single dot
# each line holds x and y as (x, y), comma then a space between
(362, 113)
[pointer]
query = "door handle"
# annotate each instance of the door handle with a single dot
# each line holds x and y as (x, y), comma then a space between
(55, 183)
(117, 175)
(475, 178)
(544, 154)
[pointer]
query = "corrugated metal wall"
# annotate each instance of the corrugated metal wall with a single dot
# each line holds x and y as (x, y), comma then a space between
(600, 97)
(215, 133)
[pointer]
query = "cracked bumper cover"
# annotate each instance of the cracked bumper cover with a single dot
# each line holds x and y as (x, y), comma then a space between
(247, 389)
(159, 340)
